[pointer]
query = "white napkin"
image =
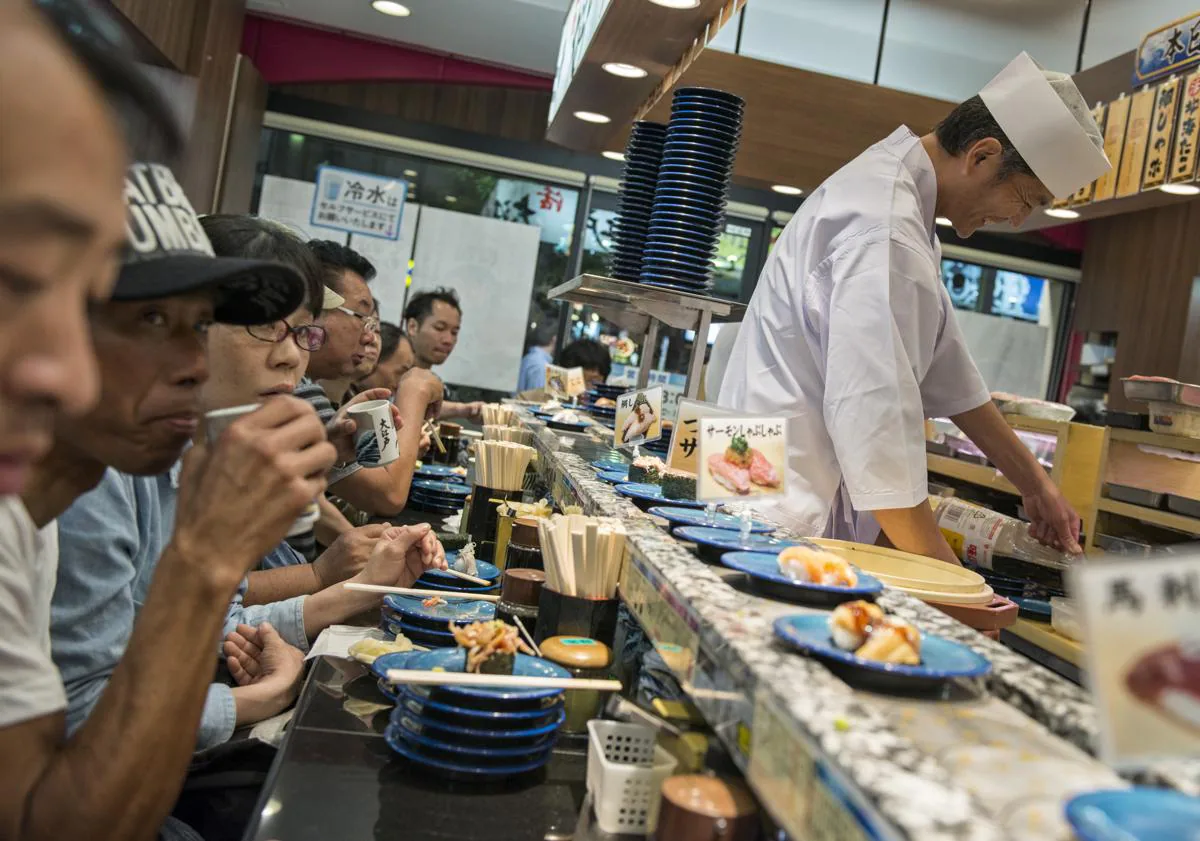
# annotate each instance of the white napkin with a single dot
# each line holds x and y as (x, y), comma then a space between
(336, 640)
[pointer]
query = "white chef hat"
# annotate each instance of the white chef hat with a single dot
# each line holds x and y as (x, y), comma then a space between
(1048, 122)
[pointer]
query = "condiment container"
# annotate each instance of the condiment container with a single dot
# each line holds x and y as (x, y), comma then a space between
(697, 807)
(520, 591)
(584, 658)
(524, 545)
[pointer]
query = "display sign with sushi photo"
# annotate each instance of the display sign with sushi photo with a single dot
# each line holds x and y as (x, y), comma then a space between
(1141, 625)
(741, 457)
(639, 417)
(564, 383)
(685, 436)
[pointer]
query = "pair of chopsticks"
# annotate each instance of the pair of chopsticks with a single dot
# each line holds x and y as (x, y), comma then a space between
(582, 555)
(413, 591)
(432, 428)
(423, 677)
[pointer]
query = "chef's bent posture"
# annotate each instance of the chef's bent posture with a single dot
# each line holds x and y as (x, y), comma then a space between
(852, 335)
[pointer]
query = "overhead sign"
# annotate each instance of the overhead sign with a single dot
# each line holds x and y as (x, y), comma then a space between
(1141, 622)
(582, 21)
(358, 202)
(1168, 49)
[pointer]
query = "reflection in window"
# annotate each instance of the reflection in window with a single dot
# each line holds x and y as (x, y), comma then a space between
(962, 282)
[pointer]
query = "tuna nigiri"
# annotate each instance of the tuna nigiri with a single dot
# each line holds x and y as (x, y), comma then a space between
(736, 479)
(761, 470)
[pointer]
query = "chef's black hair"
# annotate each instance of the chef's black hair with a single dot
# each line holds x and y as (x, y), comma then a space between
(588, 355)
(254, 238)
(337, 258)
(971, 122)
(420, 306)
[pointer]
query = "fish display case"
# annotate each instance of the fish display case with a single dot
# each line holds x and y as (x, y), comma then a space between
(992, 757)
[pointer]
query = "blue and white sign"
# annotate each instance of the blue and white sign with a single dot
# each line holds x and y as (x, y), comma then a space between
(358, 202)
(1168, 50)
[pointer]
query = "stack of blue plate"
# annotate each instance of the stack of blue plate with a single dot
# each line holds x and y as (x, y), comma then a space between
(430, 626)
(661, 447)
(435, 579)
(638, 182)
(438, 497)
(472, 732)
(439, 473)
(688, 216)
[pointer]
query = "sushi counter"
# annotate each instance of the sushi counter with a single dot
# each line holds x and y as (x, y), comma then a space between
(991, 757)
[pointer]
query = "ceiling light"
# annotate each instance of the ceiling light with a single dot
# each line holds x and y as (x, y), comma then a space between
(677, 4)
(1061, 213)
(451, 199)
(786, 190)
(1180, 189)
(613, 156)
(625, 71)
(387, 7)
(410, 173)
(944, 222)
(591, 117)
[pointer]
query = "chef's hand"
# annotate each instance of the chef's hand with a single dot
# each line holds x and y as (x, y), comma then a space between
(1052, 519)
(343, 431)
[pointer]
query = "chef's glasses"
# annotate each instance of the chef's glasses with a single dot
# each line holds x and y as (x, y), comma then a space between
(308, 337)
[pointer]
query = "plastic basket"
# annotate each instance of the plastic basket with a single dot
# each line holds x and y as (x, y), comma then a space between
(625, 774)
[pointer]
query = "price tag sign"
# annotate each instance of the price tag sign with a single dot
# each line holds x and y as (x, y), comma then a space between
(685, 437)
(741, 458)
(564, 383)
(639, 417)
(1141, 622)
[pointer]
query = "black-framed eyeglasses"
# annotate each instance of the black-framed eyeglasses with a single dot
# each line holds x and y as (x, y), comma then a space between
(369, 323)
(308, 337)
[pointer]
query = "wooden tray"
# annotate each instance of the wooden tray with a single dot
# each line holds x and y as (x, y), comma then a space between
(911, 573)
(1001, 613)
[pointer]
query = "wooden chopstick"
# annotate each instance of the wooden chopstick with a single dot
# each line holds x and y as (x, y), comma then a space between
(423, 677)
(411, 591)
(483, 582)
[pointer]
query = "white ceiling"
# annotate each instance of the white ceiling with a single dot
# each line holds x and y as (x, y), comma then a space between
(521, 34)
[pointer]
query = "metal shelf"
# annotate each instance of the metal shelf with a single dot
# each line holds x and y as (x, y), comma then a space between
(640, 309)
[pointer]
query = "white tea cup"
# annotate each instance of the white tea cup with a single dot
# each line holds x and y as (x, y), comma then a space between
(217, 420)
(378, 414)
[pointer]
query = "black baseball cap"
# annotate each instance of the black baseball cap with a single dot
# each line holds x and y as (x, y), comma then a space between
(169, 254)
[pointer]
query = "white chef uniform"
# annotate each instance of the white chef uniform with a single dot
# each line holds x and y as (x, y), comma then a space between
(851, 333)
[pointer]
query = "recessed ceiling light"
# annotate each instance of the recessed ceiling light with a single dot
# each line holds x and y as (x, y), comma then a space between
(625, 71)
(410, 173)
(677, 4)
(387, 7)
(786, 190)
(1180, 189)
(451, 199)
(591, 117)
(1061, 213)
(944, 222)
(613, 156)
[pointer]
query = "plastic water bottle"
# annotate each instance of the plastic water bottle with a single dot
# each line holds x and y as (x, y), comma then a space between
(996, 542)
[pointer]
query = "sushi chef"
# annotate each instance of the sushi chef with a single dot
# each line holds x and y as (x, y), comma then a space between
(851, 334)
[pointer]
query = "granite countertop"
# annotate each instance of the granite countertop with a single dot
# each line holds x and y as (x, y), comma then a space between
(901, 755)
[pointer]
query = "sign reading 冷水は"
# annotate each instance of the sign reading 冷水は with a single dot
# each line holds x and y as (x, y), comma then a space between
(358, 202)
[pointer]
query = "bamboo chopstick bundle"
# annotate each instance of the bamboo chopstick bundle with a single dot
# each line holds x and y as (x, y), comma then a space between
(514, 434)
(582, 555)
(496, 415)
(502, 464)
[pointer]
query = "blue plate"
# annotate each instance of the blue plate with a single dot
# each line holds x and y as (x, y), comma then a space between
(712, 543)
(525, 665)
(420, 705)
(706, 241)
(437, 471)
(444, 510)
(387, 690)
(683, 247)
(941, 659)
(446, 732)
(614, 477)
(466, 768)
(454, 610)
(692, 517)
(603, 465)
(503, 750)
(567, 427)
(1136, 814)
(667, 281)
(443, 488)
(1034, 609)
(483, 570)
(763, 568)
(425, 636)
(696, 272)
(652, 494)
(397, 660)
(714, 94)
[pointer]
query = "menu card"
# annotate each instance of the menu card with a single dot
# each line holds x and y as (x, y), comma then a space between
(1162, 127)
(639, 417)
(741, 458)
(1084, 193)
(1183, 155)
(1137, 132)
(1114, 142)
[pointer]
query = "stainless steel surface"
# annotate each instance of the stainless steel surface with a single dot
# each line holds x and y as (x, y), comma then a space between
(1145, 391)
(649, 340)
(696, 363)
(1134, 496)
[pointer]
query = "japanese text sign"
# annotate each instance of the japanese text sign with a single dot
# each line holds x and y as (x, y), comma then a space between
(1114, 142)
(1137, 133)
(639, 417)
(741, 457)
(358, 202)
(1167, 50)
(1141, 622)
(1162, 128)
(564, 383)
(1183, 155)
(685, 437)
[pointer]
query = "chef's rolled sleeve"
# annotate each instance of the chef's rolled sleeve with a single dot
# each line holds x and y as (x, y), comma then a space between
(884, 320)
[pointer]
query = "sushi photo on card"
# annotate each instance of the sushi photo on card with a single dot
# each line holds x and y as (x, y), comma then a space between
(639, 417)
(741, 457)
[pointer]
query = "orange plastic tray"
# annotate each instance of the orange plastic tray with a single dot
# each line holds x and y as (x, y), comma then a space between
(1000, 613)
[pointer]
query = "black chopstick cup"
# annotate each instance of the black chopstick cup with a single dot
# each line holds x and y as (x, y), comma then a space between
(482, 518)
(562, 615)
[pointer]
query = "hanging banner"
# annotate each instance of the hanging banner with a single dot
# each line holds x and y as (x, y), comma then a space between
(1162, 127)
(1168, 49)
(1137, 132)
(1084, 193)
(1183, 154)
(1114, 143)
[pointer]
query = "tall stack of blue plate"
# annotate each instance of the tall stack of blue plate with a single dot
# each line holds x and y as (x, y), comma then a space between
(688, 216)
(438, 497)
(638, 182)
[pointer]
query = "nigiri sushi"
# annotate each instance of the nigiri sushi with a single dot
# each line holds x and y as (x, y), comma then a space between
(851, 623)
(893, 641)
(817, 566)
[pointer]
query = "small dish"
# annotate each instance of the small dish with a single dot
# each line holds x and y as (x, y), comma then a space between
(763, 569)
